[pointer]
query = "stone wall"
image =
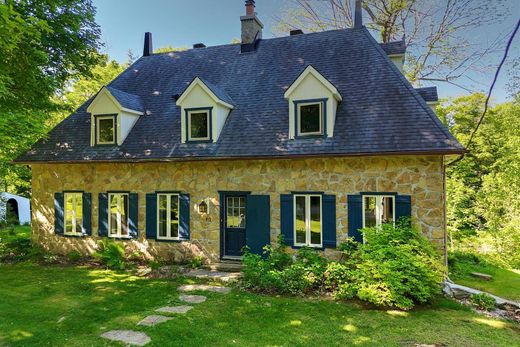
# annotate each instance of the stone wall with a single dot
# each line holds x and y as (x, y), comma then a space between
(418, 176)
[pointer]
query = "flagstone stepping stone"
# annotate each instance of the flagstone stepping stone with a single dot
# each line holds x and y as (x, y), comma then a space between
(204, 287)
(214, 275)
(482, 276)
(153, 320)
(129, 337)
(174, 309)
(192, 299)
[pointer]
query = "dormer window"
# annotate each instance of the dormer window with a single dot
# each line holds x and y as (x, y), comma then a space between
(105, 129)
(309, 118)
(199, 124)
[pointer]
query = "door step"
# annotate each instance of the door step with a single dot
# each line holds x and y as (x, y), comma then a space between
(226, 266)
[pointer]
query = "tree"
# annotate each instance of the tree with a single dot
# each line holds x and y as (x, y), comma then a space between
(43, 44)
(434, 31)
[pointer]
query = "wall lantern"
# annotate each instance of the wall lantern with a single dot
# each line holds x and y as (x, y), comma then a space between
(203, 207)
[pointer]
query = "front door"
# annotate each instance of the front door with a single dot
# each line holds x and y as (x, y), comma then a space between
(234, 225)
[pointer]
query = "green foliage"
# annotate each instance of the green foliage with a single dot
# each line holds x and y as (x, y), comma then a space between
(74, 256)
(396, 267)
(483, 301)
(196, 262)
(112, 254)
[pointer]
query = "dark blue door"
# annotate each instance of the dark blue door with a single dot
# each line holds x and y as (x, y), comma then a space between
(234, 224)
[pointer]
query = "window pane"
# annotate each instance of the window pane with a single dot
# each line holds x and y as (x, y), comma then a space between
(310, 119)
(387, 209)
(113, 213)
(370, 211)
(199, 125)
(106, 130)
(79, 212)
(124, 214)
(174, 215)
(315, 220)
(162, 215)
(68, 213)
(300, 219)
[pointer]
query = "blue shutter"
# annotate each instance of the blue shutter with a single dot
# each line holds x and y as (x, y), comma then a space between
(403, 206)
(258, 223)
(287, 218)
(151, 216)
(184, 216)
(87, 213)
(103, 214)
(329, 220)
(355, 217)
(133, 214)
(58, 214)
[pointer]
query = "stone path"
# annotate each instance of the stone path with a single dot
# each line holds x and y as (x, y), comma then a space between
(204, 287)
(137, 338)
(130, 337)
(214, 275)
(174, 309)
(192, 299)
(153, 320)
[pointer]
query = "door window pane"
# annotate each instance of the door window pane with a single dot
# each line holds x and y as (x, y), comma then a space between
(163, 202)
(236, 212)
(300, 224)
(174, 216)
(118, 209)
(315, 226)
(199, 125)
(387, 209)
(69, 208)
(168, 216)
(78, 204)
(310, 119)
(73, 213)
(370, 211)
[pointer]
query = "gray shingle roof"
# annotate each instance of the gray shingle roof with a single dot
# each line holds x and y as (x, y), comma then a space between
(127, 100)
(396, 47)
(380, 112)
(429, 94)
(219, 92)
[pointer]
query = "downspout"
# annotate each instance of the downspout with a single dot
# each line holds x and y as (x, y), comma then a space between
(444, 217)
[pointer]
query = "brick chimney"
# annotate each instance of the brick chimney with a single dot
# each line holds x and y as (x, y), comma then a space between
(251, 27)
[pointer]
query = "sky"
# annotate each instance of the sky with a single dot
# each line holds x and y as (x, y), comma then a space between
(181, 23)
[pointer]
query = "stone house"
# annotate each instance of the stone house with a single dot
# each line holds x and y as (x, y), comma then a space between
(205, 151)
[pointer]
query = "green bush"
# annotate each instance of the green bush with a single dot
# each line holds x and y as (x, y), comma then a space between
(196, 262)
(112, 254)
(398, 267)
(483, 301)
(74, 256)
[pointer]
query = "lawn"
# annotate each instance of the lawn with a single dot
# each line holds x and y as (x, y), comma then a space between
(505, 283)
(72, 306)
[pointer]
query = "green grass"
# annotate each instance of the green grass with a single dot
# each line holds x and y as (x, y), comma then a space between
(72, 306)
(505, 283)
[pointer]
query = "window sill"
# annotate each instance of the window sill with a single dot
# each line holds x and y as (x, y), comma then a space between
(318, 247)
(122, 238)
(73, 235)
(199, 141)
(310, 136)
(169, 240)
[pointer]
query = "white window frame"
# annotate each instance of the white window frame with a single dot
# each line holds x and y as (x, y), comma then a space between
(118, 216)
(114, 130)
(308, 221)
(208, 114)
(379, 199)
(299, 130)
(73, 212)
(168, 216)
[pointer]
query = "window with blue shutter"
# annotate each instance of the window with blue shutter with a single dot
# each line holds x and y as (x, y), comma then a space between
(87, 213)
(258, 229)
(151, 216)
(133, 215)
(103, 214)
(58, 214)
(287, 218)
(184, 216)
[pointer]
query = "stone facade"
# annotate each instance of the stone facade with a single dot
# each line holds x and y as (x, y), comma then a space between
(418, 176)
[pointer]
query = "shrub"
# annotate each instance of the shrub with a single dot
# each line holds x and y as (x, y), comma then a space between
(483, 301)
(196, 262)
(74, 256)
(398, 267)
(112, 254)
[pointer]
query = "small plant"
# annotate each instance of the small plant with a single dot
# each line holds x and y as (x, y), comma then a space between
(74, 256)
(112, 254)
(154, 265)
(483, 301)
(196, 262)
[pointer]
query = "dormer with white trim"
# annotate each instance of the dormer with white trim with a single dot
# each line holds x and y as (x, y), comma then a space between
(313, 101)
(113, 113)
(204, 110)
